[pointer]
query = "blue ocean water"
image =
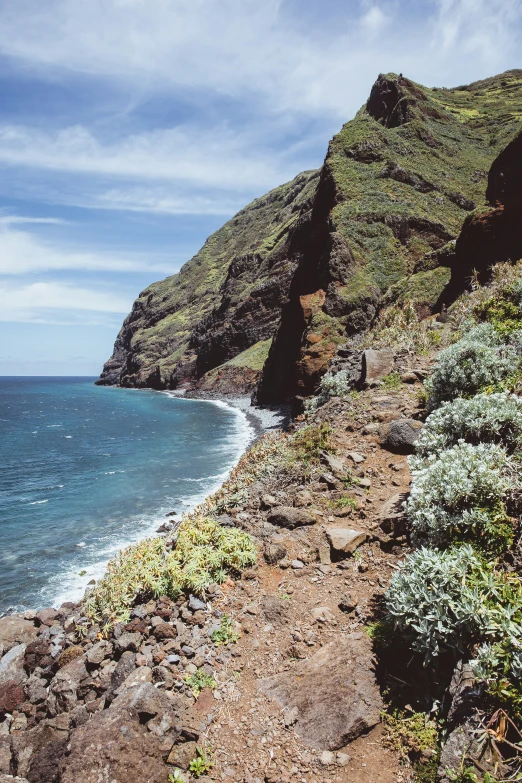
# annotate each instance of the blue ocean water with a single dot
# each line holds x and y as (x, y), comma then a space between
(85, 470)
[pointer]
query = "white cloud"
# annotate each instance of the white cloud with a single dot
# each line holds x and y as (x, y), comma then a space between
(12, 220)
(35, 302)
(22, 252)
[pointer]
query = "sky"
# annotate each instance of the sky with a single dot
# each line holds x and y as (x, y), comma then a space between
(132, 129)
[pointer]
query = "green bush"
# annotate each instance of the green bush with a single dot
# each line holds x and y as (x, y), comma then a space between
(485, 418)
(459, 495)
(453, 600)
(479, 361)
(331, 385)
(204, 554)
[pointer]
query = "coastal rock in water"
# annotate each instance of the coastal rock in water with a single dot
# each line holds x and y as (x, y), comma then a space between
(334, 692)
(399, 436)
(290, 517)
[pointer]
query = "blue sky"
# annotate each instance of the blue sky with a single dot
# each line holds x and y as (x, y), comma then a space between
(131, 129)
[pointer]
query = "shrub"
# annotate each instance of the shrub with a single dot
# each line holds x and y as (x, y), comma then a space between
(310, 441)
(399, 327)
(478, 361)
(452, 600)
(460, 494)
(331, 385)
(204, 553)
(485, 418)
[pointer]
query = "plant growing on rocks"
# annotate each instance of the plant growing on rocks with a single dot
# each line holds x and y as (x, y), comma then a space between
(332, 385)
(453, 599)
(399, 327)
(485, 418)
(225, 633)
(199, 681)
(478, 361)
(204, 554)
(459, 494)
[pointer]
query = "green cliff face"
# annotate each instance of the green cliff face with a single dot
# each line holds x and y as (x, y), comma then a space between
(309, 263)
(224, 300)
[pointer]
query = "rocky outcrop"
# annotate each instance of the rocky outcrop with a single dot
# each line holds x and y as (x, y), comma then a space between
(333, 696)
(320, 252)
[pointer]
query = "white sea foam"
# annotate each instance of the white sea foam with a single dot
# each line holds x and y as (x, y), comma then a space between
(70, 586)
(38, 502)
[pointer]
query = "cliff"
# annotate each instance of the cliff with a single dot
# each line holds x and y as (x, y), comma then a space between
(310, 263)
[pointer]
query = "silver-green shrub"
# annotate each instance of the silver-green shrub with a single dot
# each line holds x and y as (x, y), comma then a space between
(332, 385)
(460, 493)
(485, 418)
(453, 599)
(478, 361)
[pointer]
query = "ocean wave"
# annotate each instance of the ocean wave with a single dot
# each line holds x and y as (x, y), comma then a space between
(38, 502)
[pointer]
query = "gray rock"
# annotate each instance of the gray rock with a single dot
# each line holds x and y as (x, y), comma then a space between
(348, 601)
(290, 517)
(15, 630)
(376, 365)
(36, 690)
(129, 641)
(335, 465)
(334, 691)
(392, 516)
(124, 667)
(345, 540)
(12, 664)
(196, 604)
(296, 564)
(273, 553)
(65, 685)
(99, 652)
(356, 457)
(399, 436)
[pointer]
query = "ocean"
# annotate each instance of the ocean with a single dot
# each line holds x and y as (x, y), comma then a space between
(86, 470)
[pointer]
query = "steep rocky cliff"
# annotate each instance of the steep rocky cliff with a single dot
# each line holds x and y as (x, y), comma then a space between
(224, 300)
(309, 263)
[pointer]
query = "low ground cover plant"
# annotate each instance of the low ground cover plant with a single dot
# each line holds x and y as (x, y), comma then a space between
(485, 418)
(398, 327)
(204, 554)
(460, 494)
(478, 361)
(331, 385)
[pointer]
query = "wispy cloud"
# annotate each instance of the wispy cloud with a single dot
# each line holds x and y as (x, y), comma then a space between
(13, 220)
(22, 252)
(41, 302)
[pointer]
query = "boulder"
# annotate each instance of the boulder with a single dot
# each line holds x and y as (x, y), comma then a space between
(124, 667)
(376, 364)
(290, 517)
(11, 696)
(118, 743)
(273, 553)
(344, 539)
(129, 641)
(399, 436)
(392, 516)
(334, 692)
(99, 652)
(181, 755)
(15, 630)
(12, 665)
(66, 683)
(37, 752)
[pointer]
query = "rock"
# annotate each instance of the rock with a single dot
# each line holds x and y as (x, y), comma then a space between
(330, 480)
(164, 631)
(344, 539)
(181, 755)
(376, 365)
(99, 652)
(290, 717)
(268, 501)
(371, 428)
(327, 758)
(47, 616)
(399, 436)
(392, 516)
(195, 604)
(290, 517)
(124, 667)
(273, 553)
(65, 684)
(409, 377)
(129, 641)
(346, 700)
(37, 753)
(137, 677)
(464, 743)
(118, 744)
(11, 779)
(11, 696)
(12, 665)
(335, 465)
(364, 483)
(303, 498)
(275, 611)
(356, 457)
(323, 614)
(348, 601)
(15, 630)
(342, 759)
(296, 564)
(36, 690)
